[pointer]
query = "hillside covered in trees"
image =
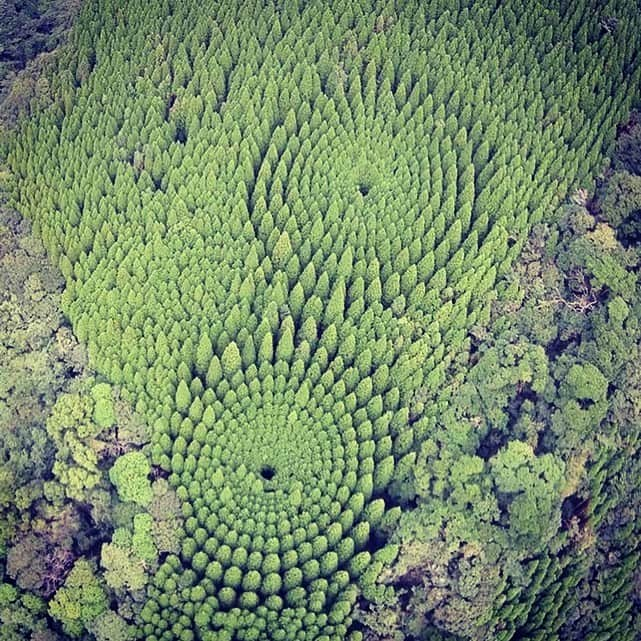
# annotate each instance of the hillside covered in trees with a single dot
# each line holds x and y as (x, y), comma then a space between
(321, 321)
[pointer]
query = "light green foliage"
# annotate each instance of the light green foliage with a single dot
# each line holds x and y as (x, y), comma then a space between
(204, 353)
(585, 382)
(533, 485)
(108, 626)
(80, 600)
(142, 541)
(103, 411)
(230, 359)
(183, 397)
(130, 475)
(282, 250)
(8, 594)
(86, 426)
(72, 427)
(290, 220)
(500, 370)
(165, 511)
(122, 569)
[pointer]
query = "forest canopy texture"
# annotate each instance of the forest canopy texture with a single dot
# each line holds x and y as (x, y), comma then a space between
(340, 336)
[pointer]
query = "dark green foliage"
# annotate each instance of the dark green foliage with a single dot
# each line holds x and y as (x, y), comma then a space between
(23, 614)
(28, 31)
(628, 145)
(37, 355)
(558, 372)
(620, 204)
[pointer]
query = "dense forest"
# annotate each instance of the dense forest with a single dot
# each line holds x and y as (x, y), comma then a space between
(320, 321)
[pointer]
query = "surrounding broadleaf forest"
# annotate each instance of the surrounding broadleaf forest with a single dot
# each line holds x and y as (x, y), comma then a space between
(320, 321)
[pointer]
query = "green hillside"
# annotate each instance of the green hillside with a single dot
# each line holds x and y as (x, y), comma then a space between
(284, 229)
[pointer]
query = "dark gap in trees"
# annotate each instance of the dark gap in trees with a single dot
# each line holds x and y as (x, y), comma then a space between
(181, 134)
(585, 403)
(495, 440)
(170, 103)
(574, 508)
(629, 231)
(267, 472)
(158, 472)
(556, 347)
(524, 393)
(45, 27)
(490, 444)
